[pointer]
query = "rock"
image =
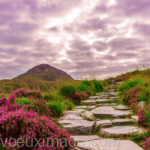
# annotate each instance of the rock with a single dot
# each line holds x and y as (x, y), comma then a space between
(121, 107)
(142, 130)
(141, 104)
(112, 94)
(107, 108)
(77, 127)
(102, 100)
(135, 117)
(85, 138)
(108, 144)
(91, 107)
(94, 97)
(115, 113)
(112, 104)
(89, 102)
(89, 115)
(103, 123)
(77, 113)
(118, 131)
(113, 98)
(81, 107)
(101, 93)
(80, 110)
(123, 121)
(71, 117)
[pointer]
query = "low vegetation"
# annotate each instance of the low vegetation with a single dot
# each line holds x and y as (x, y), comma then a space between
(135, 92)
(31, 110)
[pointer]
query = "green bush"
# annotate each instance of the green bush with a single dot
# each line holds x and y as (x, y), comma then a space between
(87, 83)
(98, 86)
(56, 108)
(81, 87)
(130, 84)
(68, 105)
(67, 90)
(23, 101)
(49, 97)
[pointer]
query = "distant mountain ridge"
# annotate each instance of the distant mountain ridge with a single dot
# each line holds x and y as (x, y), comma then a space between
(44, 72)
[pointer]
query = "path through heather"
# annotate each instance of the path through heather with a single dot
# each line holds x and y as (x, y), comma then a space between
(97, 123)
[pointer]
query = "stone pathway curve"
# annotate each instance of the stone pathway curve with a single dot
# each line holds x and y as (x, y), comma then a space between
(103, 115)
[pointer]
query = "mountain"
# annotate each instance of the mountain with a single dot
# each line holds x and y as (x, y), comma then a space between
(44, 72)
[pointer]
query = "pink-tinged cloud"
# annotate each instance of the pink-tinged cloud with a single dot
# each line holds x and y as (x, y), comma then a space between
(76, 36)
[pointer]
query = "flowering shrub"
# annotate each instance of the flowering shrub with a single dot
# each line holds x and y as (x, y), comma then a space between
(84, 95)
(32, 97)
(133, 102)
(88, 93)
(27, 93)
(40, 107)
(146, 144)
(144, 116)
(76, 96)
(26, 125)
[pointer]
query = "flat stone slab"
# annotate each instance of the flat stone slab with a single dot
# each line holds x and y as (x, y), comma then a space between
(108, 144)
(82, 138)
(91, 107)
(80, 110)
(94, 97)
(77, 113)
(101, 93)
(81, 107)
(118, 131)
(112, 104)
(121, 107)
(89, 102)
(102, 100)
(103, 108)
(71, 117)
(123, 121)
(111, 113)
(77, 127)
(112, 94)
(103, 123)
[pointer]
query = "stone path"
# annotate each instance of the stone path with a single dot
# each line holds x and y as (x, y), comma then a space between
(103, 115)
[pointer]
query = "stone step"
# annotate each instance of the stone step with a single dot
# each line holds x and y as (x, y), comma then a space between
(81, 107)
(91, 107)
(89, 102)
(77, 127)
(119, 122)
(112, 94)
(94, 97)
(115, 114)
(81, 138)
(77, 113)
(108, 144)
(118, 131)
(121, 107)
(103, 108)
(111, 104)
(102, 100)
(103, 123)
(71, 117)
(101, 93)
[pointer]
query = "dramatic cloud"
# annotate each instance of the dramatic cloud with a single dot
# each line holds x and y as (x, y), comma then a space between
(76, 36)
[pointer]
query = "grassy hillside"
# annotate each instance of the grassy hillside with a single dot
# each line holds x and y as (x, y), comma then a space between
(43, 75)
(46, 101)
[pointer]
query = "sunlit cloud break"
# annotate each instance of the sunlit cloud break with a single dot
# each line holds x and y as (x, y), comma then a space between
(76, 36)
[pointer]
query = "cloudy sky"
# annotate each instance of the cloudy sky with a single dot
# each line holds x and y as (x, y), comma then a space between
(77, 36)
